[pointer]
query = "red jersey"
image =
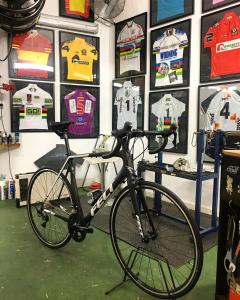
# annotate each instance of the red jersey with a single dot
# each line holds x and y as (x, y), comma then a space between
(33, 51)
(223, 39)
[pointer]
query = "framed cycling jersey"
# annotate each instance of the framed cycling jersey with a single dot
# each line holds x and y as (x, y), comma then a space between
(170, 55)
(163, 11)
(128, 102)
(32, 55)
(80, 104)
(32, 106)
(219, 107)
(77, 9)
(79, 58)
(168, 108)
(208, 5)
(220, 45)
(130, 46)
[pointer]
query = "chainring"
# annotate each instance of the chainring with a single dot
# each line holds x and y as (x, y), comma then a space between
(74, 222)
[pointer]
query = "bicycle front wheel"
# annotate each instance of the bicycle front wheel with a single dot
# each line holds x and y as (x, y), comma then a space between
(49, 207)
(168, 263)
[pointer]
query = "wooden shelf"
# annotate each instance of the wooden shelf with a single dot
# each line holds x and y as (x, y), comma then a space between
(5, 147)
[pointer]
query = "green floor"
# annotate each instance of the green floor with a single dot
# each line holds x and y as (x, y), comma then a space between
(29, 270)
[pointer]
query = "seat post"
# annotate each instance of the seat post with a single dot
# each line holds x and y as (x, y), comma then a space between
(65, 136)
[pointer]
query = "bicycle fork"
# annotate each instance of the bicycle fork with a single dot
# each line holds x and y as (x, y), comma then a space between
(140, 207)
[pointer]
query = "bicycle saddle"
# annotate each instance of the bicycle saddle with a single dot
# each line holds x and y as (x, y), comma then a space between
(60, 127)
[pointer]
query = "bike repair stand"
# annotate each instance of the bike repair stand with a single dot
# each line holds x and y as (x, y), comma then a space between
(125, 279)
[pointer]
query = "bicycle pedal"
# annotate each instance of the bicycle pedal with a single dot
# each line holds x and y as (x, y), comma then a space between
(85, 229)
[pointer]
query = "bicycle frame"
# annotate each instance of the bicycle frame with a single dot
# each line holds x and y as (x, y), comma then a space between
(126, 173)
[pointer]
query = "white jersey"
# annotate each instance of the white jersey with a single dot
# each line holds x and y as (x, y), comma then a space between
(223, 111)
(169, 50)
(127, 100)
(33, 104)
(129, 42)
(168, 111)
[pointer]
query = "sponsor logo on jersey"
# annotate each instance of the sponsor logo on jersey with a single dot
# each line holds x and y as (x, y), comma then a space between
(227, 46)
(232, 169)
(33, 111)
(168, 54)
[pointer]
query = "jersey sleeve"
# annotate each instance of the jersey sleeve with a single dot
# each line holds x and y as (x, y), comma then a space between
(140, 33)
(18, 99)
(120, 40)
(183, 39)
(210, 37)
(117, 98)
(17, 41)
(65, 49)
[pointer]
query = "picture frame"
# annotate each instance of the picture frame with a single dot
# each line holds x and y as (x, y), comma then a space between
(220, 51)
(214, 4)
(218, 106)
(170, 63)
(130, 46)
(80, 10)
(128, 102)
(168, 107)
(32, 56)
(79, 58)
(80, 104)
(32, 106)
(162, 11)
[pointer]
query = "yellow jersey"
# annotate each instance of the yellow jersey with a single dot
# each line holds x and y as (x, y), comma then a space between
(80, 56)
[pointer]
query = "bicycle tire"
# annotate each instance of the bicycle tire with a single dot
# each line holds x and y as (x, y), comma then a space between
(156, 266)
(48, 218)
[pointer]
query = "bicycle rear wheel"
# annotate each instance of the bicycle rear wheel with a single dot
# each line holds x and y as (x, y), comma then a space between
(49, 207)
(168, 264)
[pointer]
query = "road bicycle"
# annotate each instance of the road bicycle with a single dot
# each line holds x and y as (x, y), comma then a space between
(162, 256)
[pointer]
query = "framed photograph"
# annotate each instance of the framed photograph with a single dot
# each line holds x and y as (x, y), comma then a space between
(208, 5)
(32, 55)
(79, 58)
(170, 56)
(128, 102)
(165, 109)
(163, 11)
(130, 46)
(32, 106)
(220, 46)
(80, 104)
(80, 9)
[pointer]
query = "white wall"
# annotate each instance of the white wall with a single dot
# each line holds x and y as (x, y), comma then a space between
(34, 145)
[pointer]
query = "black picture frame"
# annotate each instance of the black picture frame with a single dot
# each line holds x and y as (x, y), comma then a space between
(214, 110)
(32, 56)
(170, 64)
(162, 11)
(79, 14)
(130, 55)
(161, 117)
(81, 105)
(30, 100)
(220, 51)
(209, 5)
(128, 102)
(79, 58)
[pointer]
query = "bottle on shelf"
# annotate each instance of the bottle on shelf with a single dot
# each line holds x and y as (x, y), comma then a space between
(3, 188)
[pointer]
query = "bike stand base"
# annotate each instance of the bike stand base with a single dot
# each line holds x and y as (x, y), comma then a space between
(125, 279)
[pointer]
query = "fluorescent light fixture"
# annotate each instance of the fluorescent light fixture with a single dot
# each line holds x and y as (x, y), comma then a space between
(64, 23)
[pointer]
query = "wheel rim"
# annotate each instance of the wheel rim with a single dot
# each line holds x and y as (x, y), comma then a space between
(47, 214)
(162, 267)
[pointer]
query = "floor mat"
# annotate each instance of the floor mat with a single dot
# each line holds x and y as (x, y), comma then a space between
(101, 221)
